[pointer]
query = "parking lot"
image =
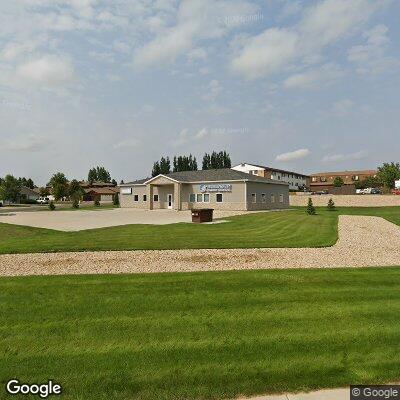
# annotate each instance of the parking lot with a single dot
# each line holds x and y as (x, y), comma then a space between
(92, 219)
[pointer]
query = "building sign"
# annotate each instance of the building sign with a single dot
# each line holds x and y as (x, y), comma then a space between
(222, 187)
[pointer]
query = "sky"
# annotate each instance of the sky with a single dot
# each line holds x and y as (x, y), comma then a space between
(307, 86)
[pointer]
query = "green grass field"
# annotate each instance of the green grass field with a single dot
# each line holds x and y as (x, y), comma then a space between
(201, 335)
(281, 229)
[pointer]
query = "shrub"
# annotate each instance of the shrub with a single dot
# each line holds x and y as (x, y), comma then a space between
(331, 205)
(28, 201)
(116, 200)
(52, 206)
(97, 203)
(310, 207)
(75, 203)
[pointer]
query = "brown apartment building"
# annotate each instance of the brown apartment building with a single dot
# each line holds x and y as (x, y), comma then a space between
(324, 180)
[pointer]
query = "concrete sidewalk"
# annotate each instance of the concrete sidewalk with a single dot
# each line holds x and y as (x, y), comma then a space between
(328, 394)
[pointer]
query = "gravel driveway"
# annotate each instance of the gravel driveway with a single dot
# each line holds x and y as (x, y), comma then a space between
(363, 241)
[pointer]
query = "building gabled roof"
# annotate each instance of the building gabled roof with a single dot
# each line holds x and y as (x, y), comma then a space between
(102, 190)
(210, 175)
(273, 169)
(28, 191)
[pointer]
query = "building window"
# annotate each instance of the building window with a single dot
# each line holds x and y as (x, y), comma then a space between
(219, 198)
(281, 198)
(145, 197)
(206, 198)
(314, 179)
(263, 198)
(323, 179)
(254, 198)
(272, 198)
(136, 197)
(355, 178)
(155, 197)
(192, 198)
(199, 198)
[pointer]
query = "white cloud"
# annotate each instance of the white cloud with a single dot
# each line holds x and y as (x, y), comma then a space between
(197, 54)
(345, 157)
(213, 90)
(127, 143)
(371, 57)
(24, 143)
(195, 20)
(343, 107)
(324, 23)
(186, 136)
(316, 77)
(266, 53)
(47, 70)
(293, 155)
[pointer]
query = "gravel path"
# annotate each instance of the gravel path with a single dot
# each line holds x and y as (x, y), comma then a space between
(363, 241)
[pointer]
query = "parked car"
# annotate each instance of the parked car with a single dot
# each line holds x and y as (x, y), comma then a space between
(396, 192)
(43, 200)
(376, 191)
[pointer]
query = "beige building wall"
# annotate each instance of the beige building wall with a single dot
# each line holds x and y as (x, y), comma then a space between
(276, 196)
(238, 199)
(234, 200)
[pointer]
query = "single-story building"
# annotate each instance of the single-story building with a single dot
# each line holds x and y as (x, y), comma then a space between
(102, 194)
(220, 189)
(28, 193)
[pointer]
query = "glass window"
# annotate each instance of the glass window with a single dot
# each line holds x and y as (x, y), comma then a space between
(253, 198)
(192, 198)
(206, 198)
(272, 198)
(136, 197)
(263, 198)
(145, 197)
(199, 198)
(155, 197)
(219, 198)
(281, 198)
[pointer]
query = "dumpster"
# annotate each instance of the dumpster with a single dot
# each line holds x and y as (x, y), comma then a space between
(202, 215)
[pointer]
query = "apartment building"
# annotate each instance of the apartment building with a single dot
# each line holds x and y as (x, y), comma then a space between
(325, 180)
(295, 180)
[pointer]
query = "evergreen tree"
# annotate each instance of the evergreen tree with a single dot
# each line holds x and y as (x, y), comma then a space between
(206, 162)
(156, 169)
(30, 184)
(331, 205)
(165, 166)
(92, 175)
(310, 207)
(99, 174)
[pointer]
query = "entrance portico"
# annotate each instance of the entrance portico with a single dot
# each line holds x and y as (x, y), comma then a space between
(164, 193)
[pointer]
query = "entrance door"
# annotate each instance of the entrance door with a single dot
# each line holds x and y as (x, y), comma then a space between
(170, 202)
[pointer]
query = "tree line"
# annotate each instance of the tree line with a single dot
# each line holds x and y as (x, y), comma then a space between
(59, 186)
(215, 160)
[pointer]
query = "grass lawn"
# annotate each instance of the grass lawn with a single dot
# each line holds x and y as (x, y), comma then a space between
(201, 335)
(281, 229)
(290, 228)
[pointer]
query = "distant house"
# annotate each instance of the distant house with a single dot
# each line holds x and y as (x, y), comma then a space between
(28, 194)
(101, 194)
